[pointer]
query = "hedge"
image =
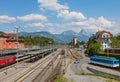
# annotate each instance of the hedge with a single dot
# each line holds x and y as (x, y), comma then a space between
(109, 55)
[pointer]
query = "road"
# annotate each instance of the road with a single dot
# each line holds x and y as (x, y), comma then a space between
(74, 74)
(78, 67)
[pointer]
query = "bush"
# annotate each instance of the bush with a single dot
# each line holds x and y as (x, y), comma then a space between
(94, 48)
(109, 54)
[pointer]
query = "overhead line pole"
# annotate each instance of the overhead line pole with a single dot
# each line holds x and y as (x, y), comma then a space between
(17, 41)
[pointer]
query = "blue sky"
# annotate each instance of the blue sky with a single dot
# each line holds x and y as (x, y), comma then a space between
(57, 16)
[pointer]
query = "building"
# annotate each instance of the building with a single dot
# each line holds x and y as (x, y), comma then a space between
(9, 41)
(104, 38)
(75, 41)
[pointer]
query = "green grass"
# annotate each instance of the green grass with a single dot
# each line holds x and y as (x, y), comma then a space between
(82, 72)
(109, 78)
(76, 54)
(60, 78)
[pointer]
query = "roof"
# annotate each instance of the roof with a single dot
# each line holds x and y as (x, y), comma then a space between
(4, 57)
(11, 37)
(105, 58)
(99, 33)
(7, 34)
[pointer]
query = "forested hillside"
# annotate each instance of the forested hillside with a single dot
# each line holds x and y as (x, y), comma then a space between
(41, 41)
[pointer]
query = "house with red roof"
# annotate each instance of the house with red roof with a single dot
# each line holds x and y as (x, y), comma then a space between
(104, 38)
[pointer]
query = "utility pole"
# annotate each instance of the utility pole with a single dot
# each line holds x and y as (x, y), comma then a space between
(64, 60)
(52, 59)
(16, 27)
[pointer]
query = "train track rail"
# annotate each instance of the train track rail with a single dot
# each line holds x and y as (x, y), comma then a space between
(26, 74)
(20, 61)
(21, 72)
(49, 73)
(43, 72)
(44, 65)
(57, 71)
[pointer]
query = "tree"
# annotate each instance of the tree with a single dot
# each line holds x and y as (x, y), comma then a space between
(41, 41)
(115, 42)
(91, 40)
(94, 48)
(1, 32)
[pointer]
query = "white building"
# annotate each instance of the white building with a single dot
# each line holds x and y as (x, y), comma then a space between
(104, 38)
(75, 41)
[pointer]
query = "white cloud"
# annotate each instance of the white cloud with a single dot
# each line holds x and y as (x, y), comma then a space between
(49, 24)
(61, 10)
(6, 19)
(51, 5)
(91, 25)
(104, 22)
(35, 25)
(74, 20)
(32, 17)
(98, 23)
(67, 15)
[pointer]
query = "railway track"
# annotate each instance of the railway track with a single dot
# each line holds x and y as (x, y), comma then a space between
(20, 61)
(23, 77)
(25, 74)
(20, 73)
(43, 72)
(57, 71)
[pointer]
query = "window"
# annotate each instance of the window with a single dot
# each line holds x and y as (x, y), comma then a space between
(105, 46)
(103, 36)
(116, 62)
(107, 35)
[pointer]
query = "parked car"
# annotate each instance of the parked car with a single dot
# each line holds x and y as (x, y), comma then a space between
(76, 61)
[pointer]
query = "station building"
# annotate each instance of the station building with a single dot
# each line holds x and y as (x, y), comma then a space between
(104, 38)
(9, 41)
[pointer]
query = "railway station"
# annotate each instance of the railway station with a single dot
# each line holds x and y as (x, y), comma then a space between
(59, 41)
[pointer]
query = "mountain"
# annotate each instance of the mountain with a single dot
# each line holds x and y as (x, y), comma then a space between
(64, 37)
(42, 33)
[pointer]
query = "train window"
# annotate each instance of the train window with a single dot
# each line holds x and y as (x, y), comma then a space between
(116, 62)
(109, 62)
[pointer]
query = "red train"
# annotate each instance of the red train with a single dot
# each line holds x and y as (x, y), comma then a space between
(7, 60)
(113, 50)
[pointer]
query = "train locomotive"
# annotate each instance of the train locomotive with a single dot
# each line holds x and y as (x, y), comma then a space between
(7, 60)
(105, 61)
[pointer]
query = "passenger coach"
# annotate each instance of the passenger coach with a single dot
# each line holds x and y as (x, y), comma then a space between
(105, 61)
